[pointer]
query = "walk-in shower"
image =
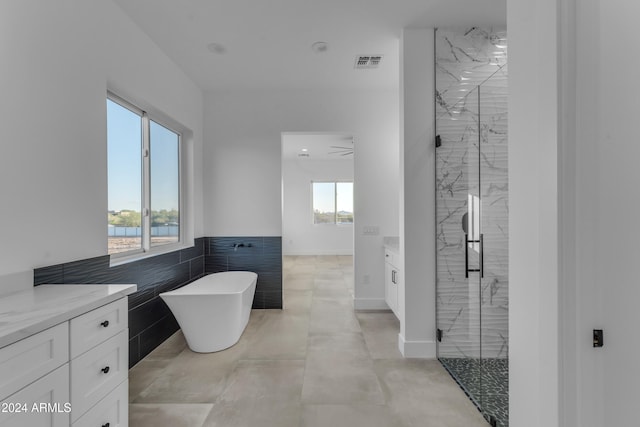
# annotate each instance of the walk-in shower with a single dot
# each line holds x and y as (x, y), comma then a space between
(472, 214)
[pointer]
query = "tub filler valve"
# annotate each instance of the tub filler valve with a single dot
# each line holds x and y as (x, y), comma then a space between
(241, 245)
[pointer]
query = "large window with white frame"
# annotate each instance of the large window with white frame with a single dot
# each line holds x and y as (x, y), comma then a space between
(144, 177)
(332, 202)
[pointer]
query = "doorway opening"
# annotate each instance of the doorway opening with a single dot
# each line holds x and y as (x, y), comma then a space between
(318, 217)
(317, 194)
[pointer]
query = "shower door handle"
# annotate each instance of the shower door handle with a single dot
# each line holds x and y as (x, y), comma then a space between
(466, 256)
(481, 256)
(468, 270)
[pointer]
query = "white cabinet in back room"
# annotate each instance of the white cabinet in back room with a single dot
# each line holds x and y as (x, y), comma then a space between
(391, 280)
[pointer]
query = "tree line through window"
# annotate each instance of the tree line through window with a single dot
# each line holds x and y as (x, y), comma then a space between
(332, 202)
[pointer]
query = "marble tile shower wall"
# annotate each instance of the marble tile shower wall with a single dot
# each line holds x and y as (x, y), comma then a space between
(472, 124)
(494, 190)
(150, 320)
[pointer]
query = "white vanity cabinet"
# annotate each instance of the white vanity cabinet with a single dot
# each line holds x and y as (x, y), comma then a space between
(391, 280)
(99, 357)
(65, 365)
(34, 373)
(43, 403)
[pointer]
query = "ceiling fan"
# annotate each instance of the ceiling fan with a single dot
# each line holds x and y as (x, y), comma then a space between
(341, 151)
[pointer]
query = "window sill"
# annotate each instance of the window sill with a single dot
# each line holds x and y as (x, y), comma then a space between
(117, 259)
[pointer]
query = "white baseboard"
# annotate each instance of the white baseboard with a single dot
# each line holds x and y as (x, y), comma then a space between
(417, 349)
(370, 304)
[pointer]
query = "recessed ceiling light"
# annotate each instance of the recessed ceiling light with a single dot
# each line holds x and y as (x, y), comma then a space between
(216, 48)
(320, 47)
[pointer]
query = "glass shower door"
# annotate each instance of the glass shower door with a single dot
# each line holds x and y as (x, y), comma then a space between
(459, 242)
(472, 214)
(494, 298)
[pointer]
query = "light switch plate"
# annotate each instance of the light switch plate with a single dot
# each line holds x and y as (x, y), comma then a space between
(370, 230)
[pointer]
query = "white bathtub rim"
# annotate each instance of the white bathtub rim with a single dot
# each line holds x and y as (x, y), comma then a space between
(195, 288)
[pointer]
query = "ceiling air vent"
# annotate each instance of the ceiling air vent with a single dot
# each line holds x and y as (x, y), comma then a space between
(368, 61)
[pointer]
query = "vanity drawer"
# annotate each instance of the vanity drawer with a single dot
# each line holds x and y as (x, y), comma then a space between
(391, 257)
(96, 326)
(50, 395)
(95, 373)
(113, 410)
(27, 360)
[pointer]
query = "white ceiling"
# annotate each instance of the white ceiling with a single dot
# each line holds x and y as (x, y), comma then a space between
(267, 43)
(318, 146)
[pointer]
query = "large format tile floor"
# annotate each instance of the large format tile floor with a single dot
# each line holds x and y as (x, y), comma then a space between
(317, 363)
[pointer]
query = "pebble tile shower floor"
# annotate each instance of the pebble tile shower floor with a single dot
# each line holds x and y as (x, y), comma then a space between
(487, 381)
(316, 363)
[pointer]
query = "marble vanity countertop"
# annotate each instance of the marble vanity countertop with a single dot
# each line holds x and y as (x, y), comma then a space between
(25, 313)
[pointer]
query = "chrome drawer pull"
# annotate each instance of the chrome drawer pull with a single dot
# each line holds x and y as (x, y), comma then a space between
(105, 323)
(105, 370)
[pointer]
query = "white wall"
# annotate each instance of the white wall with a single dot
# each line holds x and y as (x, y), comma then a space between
(615, 238)
(417, 291)
(243, 176)
(601, 384)
(58, 59)
(299, 235)
(533, 214)
(573, 186)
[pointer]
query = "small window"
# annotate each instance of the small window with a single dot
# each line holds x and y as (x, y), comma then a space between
(143, 178)
(332, 202)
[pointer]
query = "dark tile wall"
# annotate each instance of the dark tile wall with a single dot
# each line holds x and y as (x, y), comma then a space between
(150, 320)
(262, 255)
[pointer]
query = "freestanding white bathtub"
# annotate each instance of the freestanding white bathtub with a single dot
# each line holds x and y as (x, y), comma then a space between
(214, 310)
